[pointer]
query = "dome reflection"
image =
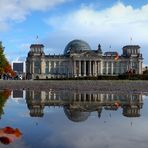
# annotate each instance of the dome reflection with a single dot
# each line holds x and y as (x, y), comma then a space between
(76, 115)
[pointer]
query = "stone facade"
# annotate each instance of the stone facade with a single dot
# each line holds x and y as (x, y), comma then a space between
(79, 60)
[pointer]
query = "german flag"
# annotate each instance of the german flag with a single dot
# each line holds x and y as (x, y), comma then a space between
(116, 57)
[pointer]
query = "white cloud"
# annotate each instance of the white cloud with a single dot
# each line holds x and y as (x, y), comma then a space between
(10, 9)
(3, 26)
(115, 133)
(115, 24)
(111, 26)
(40, 4)
(17, 10)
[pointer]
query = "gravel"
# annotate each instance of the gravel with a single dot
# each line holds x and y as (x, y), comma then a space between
(116, 86)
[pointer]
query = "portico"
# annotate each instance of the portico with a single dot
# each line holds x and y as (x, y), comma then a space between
(86, 68)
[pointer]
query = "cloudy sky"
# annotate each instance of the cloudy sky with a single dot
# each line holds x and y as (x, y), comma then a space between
(56, 22)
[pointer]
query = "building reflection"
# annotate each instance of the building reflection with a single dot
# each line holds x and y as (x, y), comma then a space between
(79, 105)
(18, 94)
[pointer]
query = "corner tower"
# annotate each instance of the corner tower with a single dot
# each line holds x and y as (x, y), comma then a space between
(131, 50)
(134, 56)
(35, 64)
(36, 50)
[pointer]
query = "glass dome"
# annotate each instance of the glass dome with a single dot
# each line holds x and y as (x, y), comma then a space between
(76, 46)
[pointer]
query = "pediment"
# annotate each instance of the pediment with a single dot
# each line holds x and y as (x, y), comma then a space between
(89, 54)
(86, 55)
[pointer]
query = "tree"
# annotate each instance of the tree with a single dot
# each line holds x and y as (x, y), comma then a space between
(5, 67)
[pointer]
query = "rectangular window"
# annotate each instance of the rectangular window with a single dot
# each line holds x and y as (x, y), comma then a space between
(47, 67)
(37, 67)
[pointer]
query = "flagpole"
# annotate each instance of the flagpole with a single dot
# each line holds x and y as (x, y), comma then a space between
(37, 39)
(131, 40)
(110, 47)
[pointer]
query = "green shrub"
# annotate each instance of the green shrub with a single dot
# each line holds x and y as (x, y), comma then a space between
(119, 77)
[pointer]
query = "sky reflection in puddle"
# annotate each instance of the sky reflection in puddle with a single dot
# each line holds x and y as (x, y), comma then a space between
(75, 119)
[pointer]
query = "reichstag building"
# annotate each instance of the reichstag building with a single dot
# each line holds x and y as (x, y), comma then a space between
(79, 60)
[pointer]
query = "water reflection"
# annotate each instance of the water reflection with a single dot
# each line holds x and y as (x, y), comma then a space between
(4, 95)
(79, 105)
(116, 128)
(7, 134)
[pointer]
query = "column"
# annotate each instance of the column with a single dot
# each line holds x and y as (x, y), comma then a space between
(107, 97)
(101, 67)
(84, 97)
(50, 67)
(53, 68)
(107, 68)
(90, 68)
(101, 98)
(59, 68)
(74, 69)
(89, 97)
(42, 66)
(80, 68)
(70, 67)
(74, 96)
(33, 95)
(84, 68)
(112, 97)
(98, 69)
(29, 63)
(112, 68)
(139, 68)
(54, 96)
(32, 67)
(49, 94)
(79, 97)
(127, 66)
(130, 64)
(95, 70)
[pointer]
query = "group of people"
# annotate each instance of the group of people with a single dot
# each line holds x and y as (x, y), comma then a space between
(6, 76)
